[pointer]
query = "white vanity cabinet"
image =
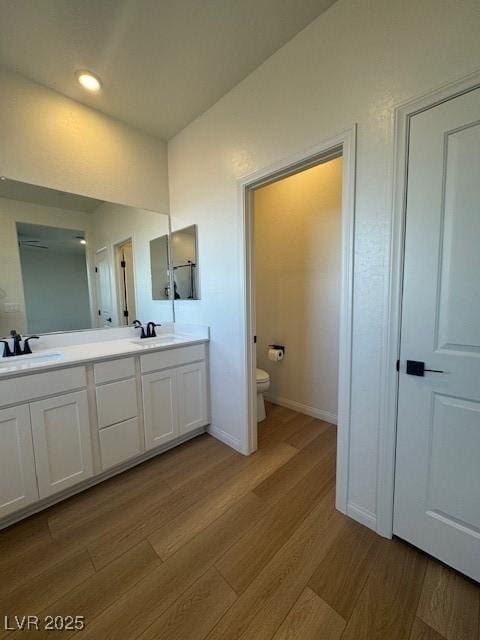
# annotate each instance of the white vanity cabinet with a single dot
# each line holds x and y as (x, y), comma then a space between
(45, 444)
(18, 482)
(175, 403)
(65, 429)
(62, 443)
(175, 397)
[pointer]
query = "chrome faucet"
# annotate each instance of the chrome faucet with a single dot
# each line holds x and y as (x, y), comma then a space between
(26, 342)
(151, 329)
(138, 325)
(17, 345)
(7, 352)
(149, 332)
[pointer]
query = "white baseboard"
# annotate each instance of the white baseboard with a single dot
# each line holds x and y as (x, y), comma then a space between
(364, 516)
(226, 438)
(302, 408)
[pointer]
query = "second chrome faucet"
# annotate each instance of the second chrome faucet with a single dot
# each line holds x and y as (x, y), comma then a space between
(150, 330)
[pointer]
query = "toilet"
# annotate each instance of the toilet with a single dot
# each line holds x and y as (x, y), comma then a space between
(263, 384)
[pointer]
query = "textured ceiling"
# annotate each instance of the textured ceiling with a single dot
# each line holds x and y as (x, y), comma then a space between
(162, 62)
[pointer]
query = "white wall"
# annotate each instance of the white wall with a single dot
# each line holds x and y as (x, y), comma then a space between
(113, 224)
(56, 290)
(351, 65)
(11, 284)
(297, 265)
(50, 140)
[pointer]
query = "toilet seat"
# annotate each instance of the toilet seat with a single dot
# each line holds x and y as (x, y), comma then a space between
(263, 384)
(262, 376)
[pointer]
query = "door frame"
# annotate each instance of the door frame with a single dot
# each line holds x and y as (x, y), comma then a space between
(390, 378)
(108, 253)
(118, 284)
(344, 145)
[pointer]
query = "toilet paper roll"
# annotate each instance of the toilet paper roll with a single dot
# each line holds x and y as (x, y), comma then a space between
(275, 355)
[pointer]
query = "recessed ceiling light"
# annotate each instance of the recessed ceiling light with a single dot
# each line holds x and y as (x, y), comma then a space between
(88, 80)
(83, 241)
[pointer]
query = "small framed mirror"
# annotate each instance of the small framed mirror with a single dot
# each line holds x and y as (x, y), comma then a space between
(185, 263)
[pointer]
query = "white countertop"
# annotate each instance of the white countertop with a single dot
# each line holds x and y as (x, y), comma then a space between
(69, 355)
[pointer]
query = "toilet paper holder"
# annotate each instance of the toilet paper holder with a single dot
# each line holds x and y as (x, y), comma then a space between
(280, 347)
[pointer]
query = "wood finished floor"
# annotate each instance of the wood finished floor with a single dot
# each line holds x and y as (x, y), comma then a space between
(203, 543)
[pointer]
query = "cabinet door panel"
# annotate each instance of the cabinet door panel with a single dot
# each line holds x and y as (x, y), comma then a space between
(160, 407)
(61, 435)
(192, 396)
(18, 483)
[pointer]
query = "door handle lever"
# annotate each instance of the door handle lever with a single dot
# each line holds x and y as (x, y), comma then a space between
(416, 368)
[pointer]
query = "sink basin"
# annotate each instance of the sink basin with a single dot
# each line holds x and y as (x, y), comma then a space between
(166, 338)
(32, 360)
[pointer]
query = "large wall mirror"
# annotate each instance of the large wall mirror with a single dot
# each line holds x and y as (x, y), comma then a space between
(69, 262)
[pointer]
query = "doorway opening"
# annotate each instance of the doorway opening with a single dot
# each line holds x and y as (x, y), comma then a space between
(297, 230)
(288, 274)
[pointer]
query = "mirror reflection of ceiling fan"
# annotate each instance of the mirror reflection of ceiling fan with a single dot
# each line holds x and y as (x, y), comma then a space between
(31, 243)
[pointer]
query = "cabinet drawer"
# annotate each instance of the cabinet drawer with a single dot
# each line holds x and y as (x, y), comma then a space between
(116, 402)
(172, 358)
(38, 385)
(114, 370)
(119, 443)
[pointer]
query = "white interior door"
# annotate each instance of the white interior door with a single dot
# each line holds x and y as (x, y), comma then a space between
(437, 484)
(104, 289)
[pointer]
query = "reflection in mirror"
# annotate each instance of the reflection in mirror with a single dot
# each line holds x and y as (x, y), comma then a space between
(184, 263)
(69, 262)
(159, 262)
(55, 280)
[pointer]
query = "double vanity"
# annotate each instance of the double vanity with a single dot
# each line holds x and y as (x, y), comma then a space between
(87, 405)
(86, 391)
